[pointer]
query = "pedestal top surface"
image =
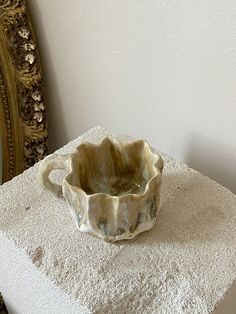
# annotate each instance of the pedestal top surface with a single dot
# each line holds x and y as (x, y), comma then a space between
(185, 264)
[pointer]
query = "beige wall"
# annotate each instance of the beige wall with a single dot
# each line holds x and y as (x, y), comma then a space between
(161, 70)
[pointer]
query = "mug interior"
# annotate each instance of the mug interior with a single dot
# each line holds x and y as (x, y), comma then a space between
(112, 168)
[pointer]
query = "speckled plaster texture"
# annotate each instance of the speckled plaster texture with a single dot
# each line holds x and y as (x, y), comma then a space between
(186, 264)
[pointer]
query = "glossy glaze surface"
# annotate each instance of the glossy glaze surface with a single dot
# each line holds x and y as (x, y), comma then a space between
(113, 188)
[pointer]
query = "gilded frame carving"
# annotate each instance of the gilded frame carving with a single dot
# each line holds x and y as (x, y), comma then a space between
(23, 121)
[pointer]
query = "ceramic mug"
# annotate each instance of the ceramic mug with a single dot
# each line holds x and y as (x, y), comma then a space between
(113, 189)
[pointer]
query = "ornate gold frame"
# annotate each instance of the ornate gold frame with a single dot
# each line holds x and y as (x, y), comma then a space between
(23, 123)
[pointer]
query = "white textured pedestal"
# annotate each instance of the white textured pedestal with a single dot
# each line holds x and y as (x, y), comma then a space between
(186, 264)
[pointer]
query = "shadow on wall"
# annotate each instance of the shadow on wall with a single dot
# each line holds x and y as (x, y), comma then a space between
(213, 159)
(56, 125)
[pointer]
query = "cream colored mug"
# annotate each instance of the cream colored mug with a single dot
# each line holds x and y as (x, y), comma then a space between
(113, 189)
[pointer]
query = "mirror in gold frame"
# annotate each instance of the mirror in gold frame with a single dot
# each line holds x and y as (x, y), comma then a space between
(23, 123)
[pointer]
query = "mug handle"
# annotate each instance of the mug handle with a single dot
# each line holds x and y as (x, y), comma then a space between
(50, 163)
